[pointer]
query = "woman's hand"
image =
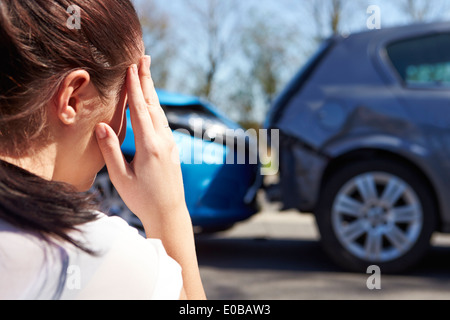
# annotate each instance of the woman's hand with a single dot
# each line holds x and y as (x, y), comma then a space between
(152, 185)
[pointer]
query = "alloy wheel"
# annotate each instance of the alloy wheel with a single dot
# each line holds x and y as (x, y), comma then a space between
(377, 216)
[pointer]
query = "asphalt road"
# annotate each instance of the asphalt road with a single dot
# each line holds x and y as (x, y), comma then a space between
(277, 256)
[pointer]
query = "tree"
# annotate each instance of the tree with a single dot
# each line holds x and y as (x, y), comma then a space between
(327, 16)
(266, 47)
(215, 23)
(422, 10)
(159, 39)
(272, 53)
(242, 100)
(330, 17)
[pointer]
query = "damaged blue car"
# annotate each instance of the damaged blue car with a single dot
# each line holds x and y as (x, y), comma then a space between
(219, 189)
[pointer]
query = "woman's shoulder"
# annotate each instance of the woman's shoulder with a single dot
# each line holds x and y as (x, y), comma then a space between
(128, 266)
(106, 228)
(113, 233)
(25, 262)
(124, 265)
(19, 248)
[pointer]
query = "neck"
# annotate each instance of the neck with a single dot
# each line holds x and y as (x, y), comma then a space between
(41, 163)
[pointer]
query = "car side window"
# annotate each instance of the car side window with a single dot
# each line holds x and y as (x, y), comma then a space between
(423, 61)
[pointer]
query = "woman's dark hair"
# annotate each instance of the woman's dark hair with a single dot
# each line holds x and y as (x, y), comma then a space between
(40, 44)
(46, 209)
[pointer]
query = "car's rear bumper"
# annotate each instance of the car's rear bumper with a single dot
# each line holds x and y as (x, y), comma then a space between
(301, 172)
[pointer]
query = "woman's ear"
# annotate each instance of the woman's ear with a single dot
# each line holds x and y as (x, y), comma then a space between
(70, 96)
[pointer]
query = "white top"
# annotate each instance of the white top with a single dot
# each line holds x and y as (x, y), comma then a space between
(127, 266)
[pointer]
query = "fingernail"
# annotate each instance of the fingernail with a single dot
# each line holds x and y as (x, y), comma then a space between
(101, 132)
(147, 62)
(134, 68)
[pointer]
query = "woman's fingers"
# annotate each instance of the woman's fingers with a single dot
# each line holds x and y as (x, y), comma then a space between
(109, 145)
(151, 98)
(148, 87)
(147, 120)
(140, 116)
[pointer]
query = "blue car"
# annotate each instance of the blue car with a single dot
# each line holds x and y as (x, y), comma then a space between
(218, 187)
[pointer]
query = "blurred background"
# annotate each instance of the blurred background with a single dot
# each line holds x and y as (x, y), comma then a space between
(240, 54)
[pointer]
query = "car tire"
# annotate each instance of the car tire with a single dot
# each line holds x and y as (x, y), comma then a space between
(376, 212)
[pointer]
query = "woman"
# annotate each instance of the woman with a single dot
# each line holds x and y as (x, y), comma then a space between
(63, 96)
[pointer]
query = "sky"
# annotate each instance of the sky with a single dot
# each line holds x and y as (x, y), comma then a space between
(289, 14)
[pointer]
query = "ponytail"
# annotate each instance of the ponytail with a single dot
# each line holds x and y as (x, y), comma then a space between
(48, 209)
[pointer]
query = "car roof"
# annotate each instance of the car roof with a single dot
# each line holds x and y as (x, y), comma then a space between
(405, 31)
(374, 42)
